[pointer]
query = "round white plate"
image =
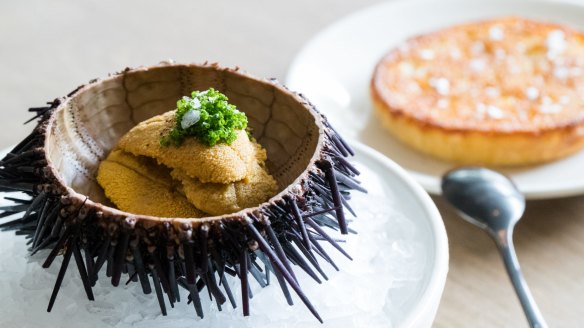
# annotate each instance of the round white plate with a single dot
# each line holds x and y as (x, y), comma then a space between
(403, 229)
(334, 69)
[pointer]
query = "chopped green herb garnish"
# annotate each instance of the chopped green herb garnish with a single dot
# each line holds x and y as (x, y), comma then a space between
(207, 116)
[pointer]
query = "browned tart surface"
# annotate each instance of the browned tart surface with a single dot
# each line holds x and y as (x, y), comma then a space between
(504, 77)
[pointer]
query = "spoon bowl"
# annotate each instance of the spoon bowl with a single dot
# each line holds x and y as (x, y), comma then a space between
(484, 197)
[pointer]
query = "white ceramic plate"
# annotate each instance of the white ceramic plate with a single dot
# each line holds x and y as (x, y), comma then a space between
(413, 299)
(334, 69)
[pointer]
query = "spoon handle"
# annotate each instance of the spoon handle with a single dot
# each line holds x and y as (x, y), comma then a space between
(505, 244)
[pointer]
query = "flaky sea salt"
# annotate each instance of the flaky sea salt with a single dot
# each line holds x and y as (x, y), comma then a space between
(406, 68)
(442, 103)
(455, 53)
(564, 100)
(495, 112)
(532, 93)
(496, 33)
(549, 107)
(555, 43)
(369, 292)
(481, 109)
(413, 87)
(191, 117)
(427, 54)
(561, 72)
(478, 64)
(492, 92)
(491, 111)
(441, 85)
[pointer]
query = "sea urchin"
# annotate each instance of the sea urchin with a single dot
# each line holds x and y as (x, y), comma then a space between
(68, 213)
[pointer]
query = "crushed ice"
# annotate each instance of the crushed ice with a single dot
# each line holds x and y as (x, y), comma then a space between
(370, 291)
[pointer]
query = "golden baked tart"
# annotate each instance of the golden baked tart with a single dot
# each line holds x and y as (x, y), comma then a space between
(507, 91)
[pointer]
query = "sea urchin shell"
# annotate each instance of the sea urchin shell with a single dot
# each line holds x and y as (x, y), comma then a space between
(69, 214)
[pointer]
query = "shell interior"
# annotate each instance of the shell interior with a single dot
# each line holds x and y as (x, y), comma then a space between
(89, 124)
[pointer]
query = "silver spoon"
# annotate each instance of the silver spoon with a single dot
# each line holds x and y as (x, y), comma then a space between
(491, 201)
